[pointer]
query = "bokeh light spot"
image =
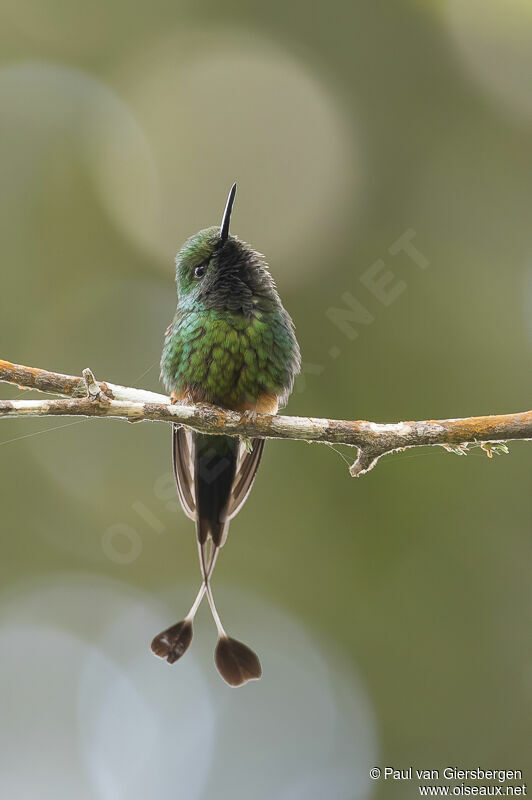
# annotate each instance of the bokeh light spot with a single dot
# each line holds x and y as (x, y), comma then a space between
(223, 105)
(493, 39)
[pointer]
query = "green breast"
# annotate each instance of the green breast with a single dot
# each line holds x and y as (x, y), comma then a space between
(230, 359)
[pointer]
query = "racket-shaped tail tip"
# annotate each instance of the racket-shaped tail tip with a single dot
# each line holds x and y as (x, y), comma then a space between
(173, 642)
(236, 662)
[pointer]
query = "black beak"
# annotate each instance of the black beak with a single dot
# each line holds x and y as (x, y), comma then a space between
(224, 227)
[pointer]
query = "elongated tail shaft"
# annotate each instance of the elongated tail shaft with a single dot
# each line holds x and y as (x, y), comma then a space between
(174, 641)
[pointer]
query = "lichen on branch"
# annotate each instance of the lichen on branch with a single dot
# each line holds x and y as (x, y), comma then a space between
(86, 397)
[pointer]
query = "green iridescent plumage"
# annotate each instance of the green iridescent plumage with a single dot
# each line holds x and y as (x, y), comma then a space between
(231, 339)
(231, 343)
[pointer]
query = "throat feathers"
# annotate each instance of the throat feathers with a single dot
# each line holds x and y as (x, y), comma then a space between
(232, 344)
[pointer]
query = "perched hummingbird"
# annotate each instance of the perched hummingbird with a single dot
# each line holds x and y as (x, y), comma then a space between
(231, 344)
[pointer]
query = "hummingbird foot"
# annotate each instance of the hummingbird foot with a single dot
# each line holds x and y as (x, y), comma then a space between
(249, 415)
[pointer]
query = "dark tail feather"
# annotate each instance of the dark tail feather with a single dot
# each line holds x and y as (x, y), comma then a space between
(215, 470)
(214, 476)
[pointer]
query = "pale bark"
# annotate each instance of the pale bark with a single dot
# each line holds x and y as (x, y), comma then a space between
(88, 398)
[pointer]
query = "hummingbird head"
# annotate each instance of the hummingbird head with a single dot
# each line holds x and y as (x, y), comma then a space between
(215, 270)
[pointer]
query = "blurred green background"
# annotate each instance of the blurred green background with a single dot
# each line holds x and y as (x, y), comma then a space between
(392, 613)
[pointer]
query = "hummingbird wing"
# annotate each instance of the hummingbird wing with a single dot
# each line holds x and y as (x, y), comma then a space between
(248, 465)
(183, 459)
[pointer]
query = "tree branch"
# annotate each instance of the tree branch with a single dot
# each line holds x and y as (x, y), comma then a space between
(88, 398)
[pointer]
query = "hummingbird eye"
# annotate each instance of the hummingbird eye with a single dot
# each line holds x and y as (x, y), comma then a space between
(199, 272)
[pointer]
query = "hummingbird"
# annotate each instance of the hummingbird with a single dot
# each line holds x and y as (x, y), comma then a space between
(230, 344)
